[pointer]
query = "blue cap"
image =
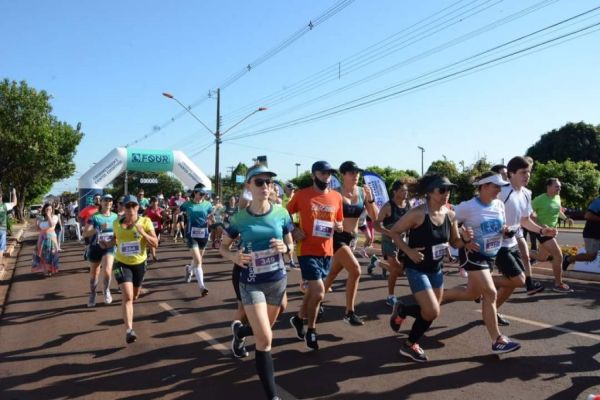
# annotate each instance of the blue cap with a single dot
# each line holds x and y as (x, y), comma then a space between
(130, 199)
(323, 166)
(257, 170)
(107, 196)
(200, 188)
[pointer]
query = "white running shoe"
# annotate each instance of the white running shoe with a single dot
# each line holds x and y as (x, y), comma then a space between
(188, 273)
(107, 297)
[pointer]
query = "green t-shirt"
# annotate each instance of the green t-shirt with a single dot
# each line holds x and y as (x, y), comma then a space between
(547, 209)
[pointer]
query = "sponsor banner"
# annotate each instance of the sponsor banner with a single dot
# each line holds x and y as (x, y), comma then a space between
(378, 188)
(334, 183)
(240, 179)
(150, 160)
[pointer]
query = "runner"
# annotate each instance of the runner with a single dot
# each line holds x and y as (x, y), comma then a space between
(199, 215)
(144, 202)
(216, 229)
(132, 235)
(320, 211)
(355, 200)
(4, 209)
(157, 215)
(99, 231)
(591, 236)
(264, 230)
(389, 214)
(430, 226)
(518, 211)
(484, 215)
(547, 207)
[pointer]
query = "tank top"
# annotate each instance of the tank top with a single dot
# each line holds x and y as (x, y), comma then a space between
(435, 241)
(353, 210)
(397, 212)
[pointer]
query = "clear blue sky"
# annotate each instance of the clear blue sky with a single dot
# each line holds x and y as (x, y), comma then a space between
(107, 63)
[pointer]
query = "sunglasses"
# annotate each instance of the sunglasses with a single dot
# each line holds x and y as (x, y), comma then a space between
(259, 182)
(444, 190)
(130, 205)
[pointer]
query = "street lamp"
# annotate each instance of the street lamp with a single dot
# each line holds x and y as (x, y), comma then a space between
(217, 134)
(422, 151)
(297, 165)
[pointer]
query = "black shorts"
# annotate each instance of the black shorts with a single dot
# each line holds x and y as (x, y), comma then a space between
(540, 238)
(130, 273)
(474, 261)
(215, 226)
(235, 280)
(95, 253)
(341, 239)
(509, 262)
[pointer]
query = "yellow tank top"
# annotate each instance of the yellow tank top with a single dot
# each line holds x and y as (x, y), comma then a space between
(131, 246)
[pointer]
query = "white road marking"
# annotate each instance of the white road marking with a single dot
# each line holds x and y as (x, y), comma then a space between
(553, 327)
(223, 349)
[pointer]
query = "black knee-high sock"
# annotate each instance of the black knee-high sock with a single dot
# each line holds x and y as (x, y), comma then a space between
(264, 367)
(414, 310)
(245, 330)
(418, 329)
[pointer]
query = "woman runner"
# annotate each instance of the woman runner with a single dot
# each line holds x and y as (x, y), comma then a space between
(430, 227)
(265, 237)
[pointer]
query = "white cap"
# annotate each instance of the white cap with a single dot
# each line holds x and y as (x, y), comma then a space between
(495, 179)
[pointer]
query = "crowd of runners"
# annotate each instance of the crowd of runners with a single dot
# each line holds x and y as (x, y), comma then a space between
(315, 229)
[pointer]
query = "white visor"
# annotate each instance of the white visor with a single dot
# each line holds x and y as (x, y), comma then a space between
(495, 179)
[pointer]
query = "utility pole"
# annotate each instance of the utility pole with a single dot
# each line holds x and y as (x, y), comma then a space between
(422, 151)
(218, 145)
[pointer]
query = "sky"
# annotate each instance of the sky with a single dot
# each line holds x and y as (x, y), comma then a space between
(441, 71)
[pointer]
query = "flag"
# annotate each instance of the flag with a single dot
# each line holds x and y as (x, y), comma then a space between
(334, 183)
(378, 188)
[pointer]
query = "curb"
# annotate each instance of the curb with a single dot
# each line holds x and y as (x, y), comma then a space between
(6, 274)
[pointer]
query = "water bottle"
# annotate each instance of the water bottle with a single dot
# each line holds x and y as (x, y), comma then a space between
(248, 249)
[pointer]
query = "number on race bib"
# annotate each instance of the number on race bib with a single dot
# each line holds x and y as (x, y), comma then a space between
(322, 228)
(198, 233)
(492, 244)
(266, 261)
(438, 251)
(130, 248)
(105, 236)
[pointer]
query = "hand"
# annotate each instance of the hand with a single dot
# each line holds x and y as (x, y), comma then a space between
(140, 228)
(415, 254)
(242, 259)
(278, 245)
(472, 246)
(467, 234)
(298, 234)
(368, 193)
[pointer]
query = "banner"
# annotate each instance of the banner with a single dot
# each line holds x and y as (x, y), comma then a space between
(378, 188)
(240, 179)
(149, 160)
(334, 183)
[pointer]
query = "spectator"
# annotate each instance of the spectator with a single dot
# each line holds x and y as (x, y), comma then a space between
(4, 209)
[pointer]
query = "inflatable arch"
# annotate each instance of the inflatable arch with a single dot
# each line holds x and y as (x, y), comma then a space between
(121, 158)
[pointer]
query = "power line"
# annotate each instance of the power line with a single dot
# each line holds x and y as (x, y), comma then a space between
(344, 107)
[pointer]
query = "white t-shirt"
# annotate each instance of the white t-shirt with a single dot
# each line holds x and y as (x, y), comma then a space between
(517, 205)
(486, 220)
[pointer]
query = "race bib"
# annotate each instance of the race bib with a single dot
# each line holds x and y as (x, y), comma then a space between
(105, 236)
(438, 251)
(492, 244)
(322, 228)
(198, 233)
(130, 248)
(266, 261)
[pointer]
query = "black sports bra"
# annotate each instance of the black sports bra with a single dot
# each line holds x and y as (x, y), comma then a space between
(354, 210)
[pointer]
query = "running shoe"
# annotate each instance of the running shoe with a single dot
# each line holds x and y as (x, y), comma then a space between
(311, 340)
(92, 300)
(395, 319)
(363, 253)
(204, 292)
(414, 352)
(535, 287)
(565, 262)
(391, 300)
(562, 288)
(504, 345)
(372, 264)
(188, 273)
(237, 345)
(352, 319)
(107, 297)
(502, 321)
(298, 325)
(130, 337)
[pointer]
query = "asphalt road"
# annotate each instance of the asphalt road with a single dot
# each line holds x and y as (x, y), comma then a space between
(53, 347)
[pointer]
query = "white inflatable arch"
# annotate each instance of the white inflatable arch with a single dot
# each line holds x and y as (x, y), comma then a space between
(121, 158)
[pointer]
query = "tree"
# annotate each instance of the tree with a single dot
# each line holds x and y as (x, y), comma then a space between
(445, 168)
(41, 147)
(577, 142)
(579, 180)
(464, 180)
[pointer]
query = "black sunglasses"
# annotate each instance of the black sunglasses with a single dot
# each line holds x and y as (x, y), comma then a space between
(444, 190)
(130, 205)
(259, 182)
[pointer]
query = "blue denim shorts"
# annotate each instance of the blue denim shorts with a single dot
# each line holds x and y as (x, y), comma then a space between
(2, 240)
(314, 268)
(419, 281)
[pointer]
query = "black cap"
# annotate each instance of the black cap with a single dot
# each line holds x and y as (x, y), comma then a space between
(349, 166)
(440, 182)
(397, 185)
(322, 166)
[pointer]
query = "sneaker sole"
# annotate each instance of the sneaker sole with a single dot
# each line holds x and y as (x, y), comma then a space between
(131, 339)
(233, 346)
(310, 348)
(394, 316)
(408, 355)
(536, 290)
(506, 351)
